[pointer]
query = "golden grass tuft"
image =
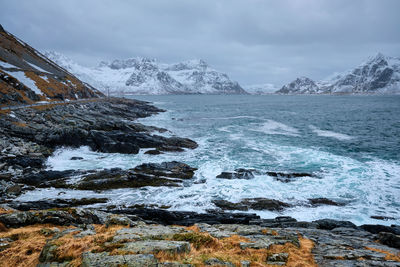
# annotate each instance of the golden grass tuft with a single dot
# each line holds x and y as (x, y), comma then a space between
(20, 124)
(389, 256)
(228, 249)
(71, 248)
(26, 248)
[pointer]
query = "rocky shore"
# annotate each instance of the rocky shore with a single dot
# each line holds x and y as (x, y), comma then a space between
(70, 232)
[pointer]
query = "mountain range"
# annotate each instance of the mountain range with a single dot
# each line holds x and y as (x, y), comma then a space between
(147, 76)
(27, 76)
(378, 75)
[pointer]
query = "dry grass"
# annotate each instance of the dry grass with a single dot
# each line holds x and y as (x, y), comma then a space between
(228, 249)
(20, 124)
(71, 248)
(5, 211)
(389, 256)
(25, 250)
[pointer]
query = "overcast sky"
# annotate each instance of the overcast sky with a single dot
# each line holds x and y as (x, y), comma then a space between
(254, 41)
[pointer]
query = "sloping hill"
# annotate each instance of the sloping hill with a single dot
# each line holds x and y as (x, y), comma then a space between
(27, 76)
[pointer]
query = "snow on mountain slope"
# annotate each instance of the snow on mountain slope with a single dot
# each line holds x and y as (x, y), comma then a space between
(26, 76)
(378, 75)
(147, 76)
(261, 89)
(302, 85)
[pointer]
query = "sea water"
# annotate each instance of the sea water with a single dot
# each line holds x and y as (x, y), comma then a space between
(350, 143)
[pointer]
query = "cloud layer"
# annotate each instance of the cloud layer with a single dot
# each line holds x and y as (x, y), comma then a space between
(254, 41)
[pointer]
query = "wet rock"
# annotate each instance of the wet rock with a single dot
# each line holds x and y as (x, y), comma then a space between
(244, 264)
(252, 203)
(238, 174)
(377, 228)
(27, 161)
(288, 177)
(188, 218)
(153, 152)
(148, 174)
(382, 218)
(328, 224)
(155, 246)
(173, 169)
(226, 205)
(56, 217)
(265, 204)
(104, 259)
(324, 201)
(76, 158)
(389, 239)
(55, 203)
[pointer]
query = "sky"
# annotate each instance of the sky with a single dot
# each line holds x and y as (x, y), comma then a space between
(253, 41)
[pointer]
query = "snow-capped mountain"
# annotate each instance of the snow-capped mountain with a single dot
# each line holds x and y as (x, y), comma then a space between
(378, 75)
(302, 85)
(147, 76)
(261, 89)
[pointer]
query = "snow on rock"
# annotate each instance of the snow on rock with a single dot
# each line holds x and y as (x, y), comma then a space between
(147, 76)
(21, 76)
(302, 85)
(378, 75)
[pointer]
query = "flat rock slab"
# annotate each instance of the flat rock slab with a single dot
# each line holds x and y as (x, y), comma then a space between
(152, 231)
(155, 246)
(104, 259)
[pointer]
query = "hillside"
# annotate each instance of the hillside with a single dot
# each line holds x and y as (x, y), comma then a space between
(26, 76)
(147, 76)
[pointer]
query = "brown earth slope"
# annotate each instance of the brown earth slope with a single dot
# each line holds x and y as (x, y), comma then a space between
(27, 76)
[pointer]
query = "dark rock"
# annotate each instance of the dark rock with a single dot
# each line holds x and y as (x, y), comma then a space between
(389, 239)
(329, 224)
(46, 178)
(226, 205)
(57, 217)
(252, 203)
(288, 177)
(383, 218)
(173, 169)
(148, 174)
(76, 158)
(153, 152)
(238, 174)
(265, 204)
(186, 218)
(324, 201)
(377, 228)
(55, 203)
(27, 161)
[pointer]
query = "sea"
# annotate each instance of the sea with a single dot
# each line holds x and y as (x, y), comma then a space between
(351, 145)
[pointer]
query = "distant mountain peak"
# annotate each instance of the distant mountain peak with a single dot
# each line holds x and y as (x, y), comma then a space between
(379, 74)
(141, 75)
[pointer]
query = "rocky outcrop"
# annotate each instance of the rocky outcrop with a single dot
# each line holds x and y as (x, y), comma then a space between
(252, 204)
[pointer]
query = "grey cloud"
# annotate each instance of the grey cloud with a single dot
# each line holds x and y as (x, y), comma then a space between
(254, 41)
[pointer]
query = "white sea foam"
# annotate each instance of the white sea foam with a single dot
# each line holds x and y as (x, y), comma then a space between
(325, 133)
(274, 127)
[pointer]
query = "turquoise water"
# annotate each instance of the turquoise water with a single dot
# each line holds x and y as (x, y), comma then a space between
(350, 142)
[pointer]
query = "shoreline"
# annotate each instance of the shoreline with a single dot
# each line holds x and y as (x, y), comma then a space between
(29, 137)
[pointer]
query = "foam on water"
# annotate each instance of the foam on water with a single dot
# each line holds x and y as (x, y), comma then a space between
(325, 133)
(274, 127)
